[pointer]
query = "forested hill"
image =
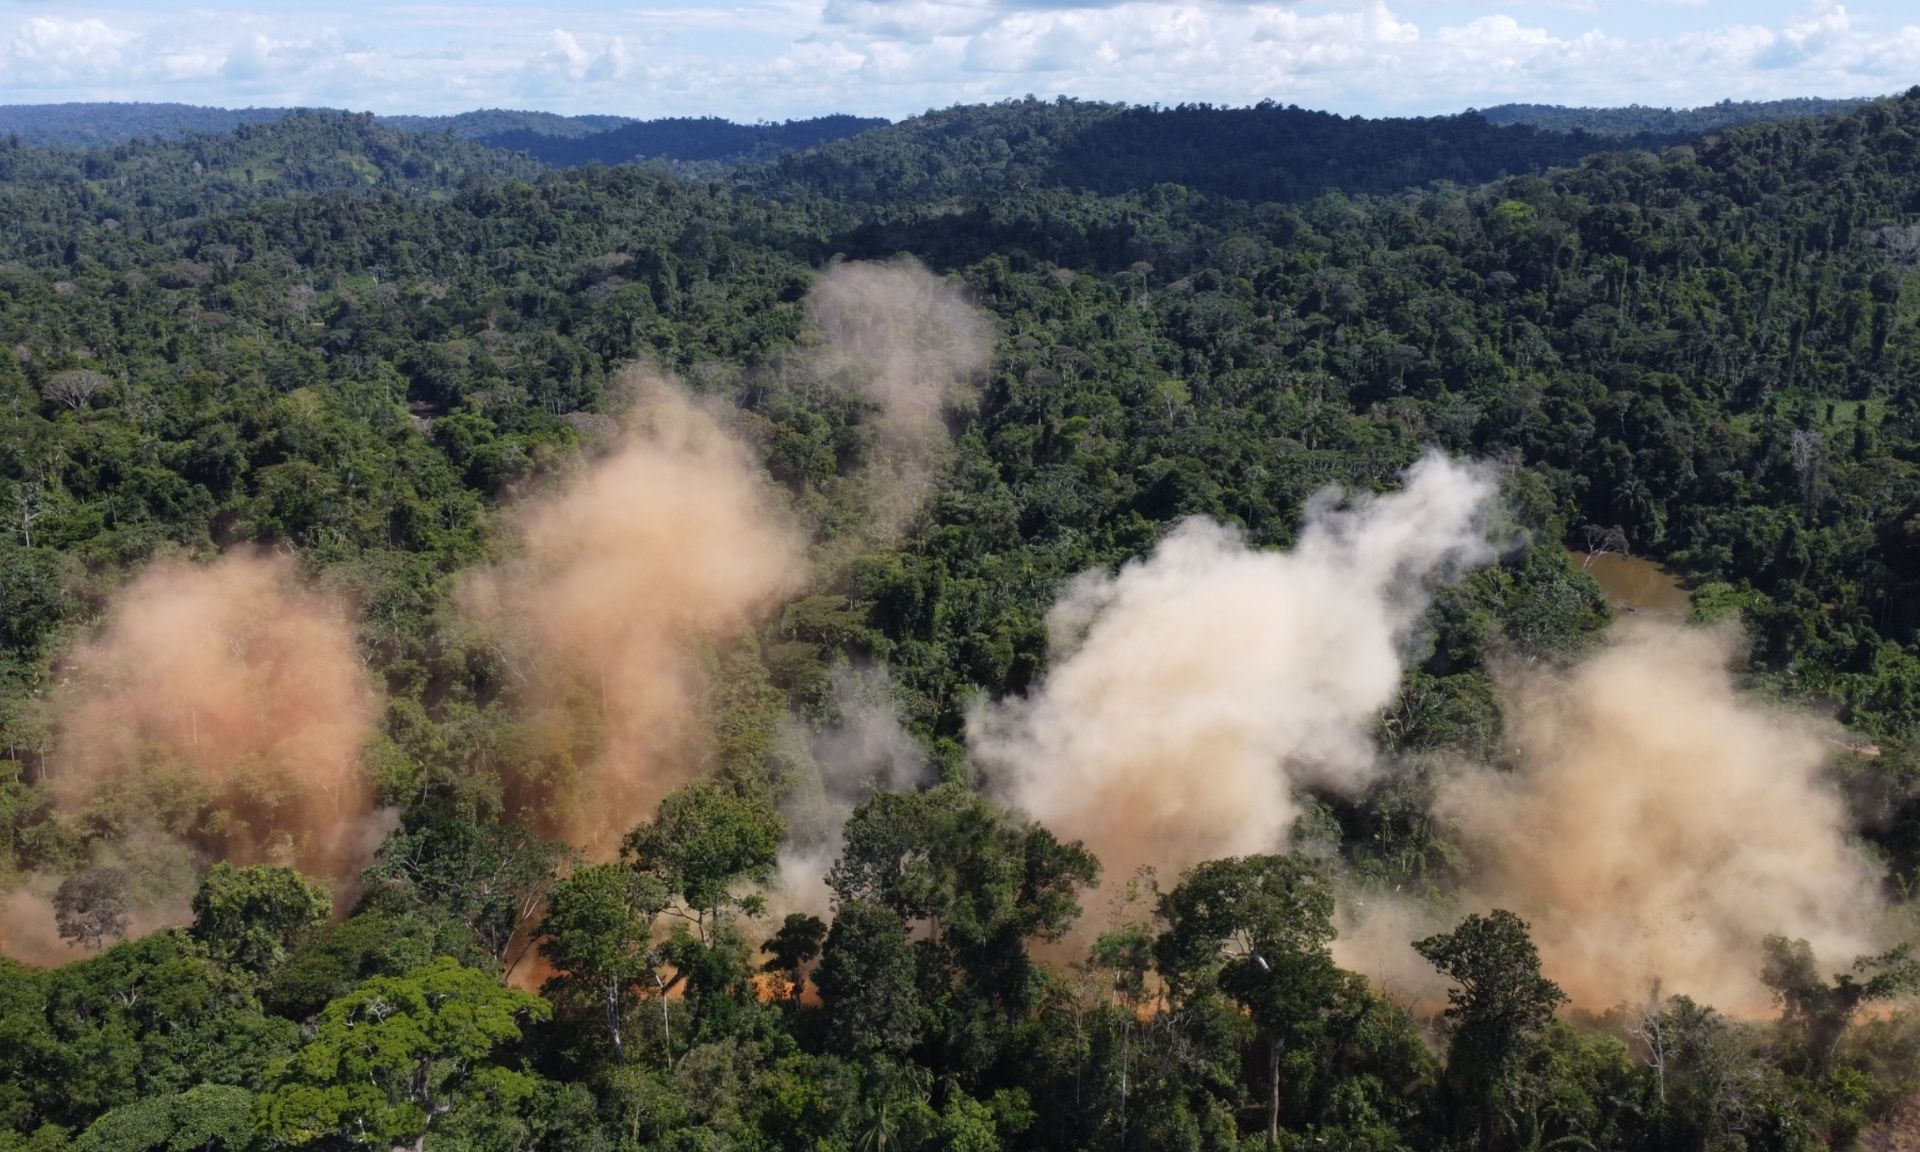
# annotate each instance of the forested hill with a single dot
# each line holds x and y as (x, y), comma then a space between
(706, 139)
(106, 124)
(359, 349)
(119, 198)
(93, 125)
(1263, 153)
(490, 122)
(559, 141)
(1625, 123)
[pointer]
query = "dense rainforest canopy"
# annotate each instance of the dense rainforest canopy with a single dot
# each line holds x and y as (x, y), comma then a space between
(562, 141)
(354, 354)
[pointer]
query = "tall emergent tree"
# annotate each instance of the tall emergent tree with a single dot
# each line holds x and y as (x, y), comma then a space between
(1499, 1005)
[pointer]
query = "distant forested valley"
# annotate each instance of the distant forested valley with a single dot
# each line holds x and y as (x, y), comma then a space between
(1046, 625)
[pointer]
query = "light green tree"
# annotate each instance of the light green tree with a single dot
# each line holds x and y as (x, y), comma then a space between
(390, 1057)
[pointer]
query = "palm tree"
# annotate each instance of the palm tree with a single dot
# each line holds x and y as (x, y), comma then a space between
(893, 1093)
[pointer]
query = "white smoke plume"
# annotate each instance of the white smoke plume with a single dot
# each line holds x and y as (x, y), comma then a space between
(909, 343)
(866, 750)
(1192, 692)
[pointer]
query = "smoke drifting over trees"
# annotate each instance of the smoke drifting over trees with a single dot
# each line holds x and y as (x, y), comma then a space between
(866, 749)
(1193, 691)
(220, 712)
(627, 572)
(636, 665)
(1659, 826)
(1654, 824)
(231, 690)
(225, 708)
(908, 342)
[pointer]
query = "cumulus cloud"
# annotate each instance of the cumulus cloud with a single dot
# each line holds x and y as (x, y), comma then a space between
(570, 60)
(775, 58)
(57, 49)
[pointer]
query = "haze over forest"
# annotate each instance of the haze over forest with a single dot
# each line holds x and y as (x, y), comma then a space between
(1039, 625)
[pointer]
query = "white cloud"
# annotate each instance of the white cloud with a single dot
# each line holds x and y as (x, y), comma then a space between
(914, 21)
(776, 58)
(570, 64)
(49, 49)
(1822, 29)
(1035, 42)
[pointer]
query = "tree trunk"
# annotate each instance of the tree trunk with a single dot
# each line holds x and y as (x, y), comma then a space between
(666, 1028)
(1273, 1093)
(613, 1022)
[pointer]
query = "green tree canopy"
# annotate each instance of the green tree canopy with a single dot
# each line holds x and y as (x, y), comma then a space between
(250, 917)
(392, 1057)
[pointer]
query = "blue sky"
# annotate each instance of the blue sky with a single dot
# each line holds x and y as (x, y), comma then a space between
(771, 59)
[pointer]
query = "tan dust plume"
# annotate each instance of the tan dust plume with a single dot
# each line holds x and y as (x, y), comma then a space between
(908, 342)
(1659, 825)
(226, 703)
(627, 574)
(1191, 692)
(28, 932)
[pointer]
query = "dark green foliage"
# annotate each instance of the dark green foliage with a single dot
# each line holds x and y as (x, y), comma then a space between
(250, 917)
(90, 907)
(685, 140)
(1823, 1011)
(386, 1061)
(598, 933)
(1639, 121)
(1499, 998)
(490, 876)
(1498, 1006)
(867, 982)
(705, 842)
(1256, 928)
(359, 345)
(210, 1116)
(332, 958)
(793, 949)
(144, 1018)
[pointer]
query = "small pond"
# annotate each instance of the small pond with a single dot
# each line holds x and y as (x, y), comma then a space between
(1635, 584)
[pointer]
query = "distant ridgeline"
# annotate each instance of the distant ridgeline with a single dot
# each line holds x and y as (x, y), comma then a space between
(1266, 152)
(93, 125)
(1263, 152)
(558, 141)
(1636, 120)
(487, 123)
(145, 183)
(685, 139)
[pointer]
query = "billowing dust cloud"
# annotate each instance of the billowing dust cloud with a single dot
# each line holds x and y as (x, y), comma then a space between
(1660, 825)
(161, 874)
(627, 575)
(1194, 690)
(227, 704)
(27, 928)
(908, 342)
(866, 749)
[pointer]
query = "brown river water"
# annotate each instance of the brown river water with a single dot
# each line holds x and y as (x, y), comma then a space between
(1633, 584)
